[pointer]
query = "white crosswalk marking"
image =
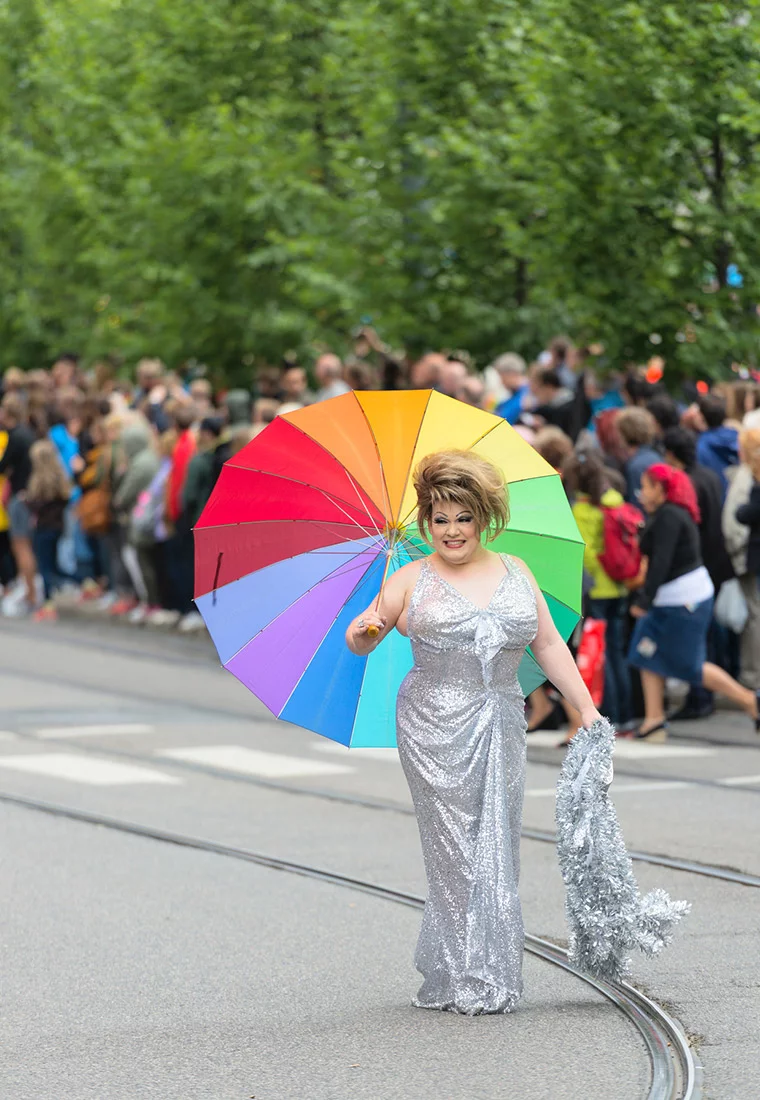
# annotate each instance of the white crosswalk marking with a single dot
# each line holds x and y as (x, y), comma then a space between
(640, 750)
(236, 758)
(332, 747)
(7, 735)
(740, 780)
(85, 769)
(615, 789)
(627, 749)
(94, 731)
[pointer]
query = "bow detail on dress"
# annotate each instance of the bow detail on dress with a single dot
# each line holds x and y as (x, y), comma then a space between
(491, 635)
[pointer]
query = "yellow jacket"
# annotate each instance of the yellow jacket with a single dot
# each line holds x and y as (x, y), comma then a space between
(590, 520)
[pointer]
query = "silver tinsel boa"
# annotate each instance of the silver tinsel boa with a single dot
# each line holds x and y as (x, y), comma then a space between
(606, 914)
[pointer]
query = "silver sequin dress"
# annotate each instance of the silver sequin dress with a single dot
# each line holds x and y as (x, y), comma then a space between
(461, 739)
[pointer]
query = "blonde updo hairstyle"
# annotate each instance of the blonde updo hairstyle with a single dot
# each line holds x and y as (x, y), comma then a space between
(466, 479)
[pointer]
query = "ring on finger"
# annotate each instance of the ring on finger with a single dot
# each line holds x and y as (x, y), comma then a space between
(361, 622)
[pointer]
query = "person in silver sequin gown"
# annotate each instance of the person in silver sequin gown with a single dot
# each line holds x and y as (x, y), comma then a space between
(469, 613)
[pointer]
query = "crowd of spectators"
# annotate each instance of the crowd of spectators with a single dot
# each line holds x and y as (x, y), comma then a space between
(103, 475)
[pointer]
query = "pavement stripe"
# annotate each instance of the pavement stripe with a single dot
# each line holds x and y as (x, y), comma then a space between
(94, 731)
(389, 755)
(8, 735)
(640, 750)
(628, 749)
(739, 780)
(623, 788)
(85, 769)
(236, 758)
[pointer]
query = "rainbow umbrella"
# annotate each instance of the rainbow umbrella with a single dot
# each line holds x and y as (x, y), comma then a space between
(307, 519)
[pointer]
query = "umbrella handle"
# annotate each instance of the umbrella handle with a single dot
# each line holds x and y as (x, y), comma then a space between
(373, 631)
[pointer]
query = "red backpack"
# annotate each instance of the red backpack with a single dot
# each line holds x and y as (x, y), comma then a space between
(621, 559)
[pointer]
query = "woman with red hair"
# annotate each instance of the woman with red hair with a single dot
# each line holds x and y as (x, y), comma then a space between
(674, 605)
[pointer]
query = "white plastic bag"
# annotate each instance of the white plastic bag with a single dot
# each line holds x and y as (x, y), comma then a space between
(731, 607)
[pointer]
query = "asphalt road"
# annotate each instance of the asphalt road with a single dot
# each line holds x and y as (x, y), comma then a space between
(133, 969)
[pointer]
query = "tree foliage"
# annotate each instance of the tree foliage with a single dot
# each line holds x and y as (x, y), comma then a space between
(228, 180)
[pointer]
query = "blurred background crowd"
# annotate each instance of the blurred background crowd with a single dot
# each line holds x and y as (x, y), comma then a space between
(103, 474)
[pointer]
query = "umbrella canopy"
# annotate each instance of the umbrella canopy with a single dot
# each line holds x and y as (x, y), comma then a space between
(295, 539)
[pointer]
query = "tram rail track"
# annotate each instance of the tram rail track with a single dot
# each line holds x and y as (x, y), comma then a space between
(676, 1073)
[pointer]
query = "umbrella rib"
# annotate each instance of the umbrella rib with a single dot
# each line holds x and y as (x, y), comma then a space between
(567, 607)
(474, 444)
(324, 636)
(316, 551)
(316, 488)
(544, 535)
(355, 486)
(396, 551)
(335, 573)
(359, 693)
(388, 510)
(319, 523)
(533, 477)
(322, 446)
(399, 521)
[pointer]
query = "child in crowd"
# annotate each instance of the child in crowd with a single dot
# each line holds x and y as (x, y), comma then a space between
(47, 495)
(588, 482)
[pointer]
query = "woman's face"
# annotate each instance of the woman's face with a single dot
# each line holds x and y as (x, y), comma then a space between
(651, 495)
(454, 533)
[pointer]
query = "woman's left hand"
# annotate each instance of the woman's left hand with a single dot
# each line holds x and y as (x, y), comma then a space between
(588, 717)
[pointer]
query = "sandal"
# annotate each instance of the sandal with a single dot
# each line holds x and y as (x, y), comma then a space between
(656, 736)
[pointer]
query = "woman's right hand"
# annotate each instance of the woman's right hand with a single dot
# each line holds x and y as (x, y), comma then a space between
(368, 621)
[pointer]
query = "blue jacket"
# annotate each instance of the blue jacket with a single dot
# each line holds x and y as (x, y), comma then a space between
(67, 447)
(718, 448)
(512, 407)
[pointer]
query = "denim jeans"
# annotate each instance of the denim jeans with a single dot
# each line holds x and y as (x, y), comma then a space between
(617, 689)
(45, 545)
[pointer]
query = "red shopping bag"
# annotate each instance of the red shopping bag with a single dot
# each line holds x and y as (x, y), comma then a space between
(590, 658)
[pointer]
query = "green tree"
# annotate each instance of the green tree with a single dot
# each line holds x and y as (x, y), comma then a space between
(227, 181)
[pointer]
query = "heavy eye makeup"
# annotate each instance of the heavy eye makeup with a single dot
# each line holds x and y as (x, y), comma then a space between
(442, 521)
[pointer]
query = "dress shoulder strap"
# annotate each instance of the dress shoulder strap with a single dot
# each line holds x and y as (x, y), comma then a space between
(508, 563)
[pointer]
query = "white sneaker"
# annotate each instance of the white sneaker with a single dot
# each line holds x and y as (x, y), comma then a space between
(70, 589)
(191, 623)
(15, 603)
(137, 614)
(163, 617)
(105, 602)
(17, 609)
(15, 591)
